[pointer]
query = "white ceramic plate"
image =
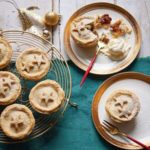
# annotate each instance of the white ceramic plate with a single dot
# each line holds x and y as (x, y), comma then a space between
(103, 65)
(138, 128)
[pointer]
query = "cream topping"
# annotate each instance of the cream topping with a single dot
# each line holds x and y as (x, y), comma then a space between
(82, 29)
(83, 32)
(117, 49)
(118, 46)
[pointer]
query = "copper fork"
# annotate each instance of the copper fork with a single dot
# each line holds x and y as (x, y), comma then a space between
(112, 129)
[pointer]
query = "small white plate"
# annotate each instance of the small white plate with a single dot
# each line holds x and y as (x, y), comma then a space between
(139, 127)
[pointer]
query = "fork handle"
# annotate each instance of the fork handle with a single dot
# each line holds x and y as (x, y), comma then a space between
(88, 69)
(137, 142)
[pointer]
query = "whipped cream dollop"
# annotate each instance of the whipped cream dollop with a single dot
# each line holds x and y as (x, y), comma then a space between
(118, 49)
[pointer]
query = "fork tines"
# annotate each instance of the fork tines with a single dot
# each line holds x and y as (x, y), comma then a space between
(108, 124)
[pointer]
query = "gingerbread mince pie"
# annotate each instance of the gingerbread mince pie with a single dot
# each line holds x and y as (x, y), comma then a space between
(46, 97)
(33, 64)
(17, 121)
(5, 53)
(10, 87)
(83, 33)
(122, 106)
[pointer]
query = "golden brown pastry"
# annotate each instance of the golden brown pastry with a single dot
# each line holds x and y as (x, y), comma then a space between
(122, 106)
(104, 38)
(103, 21)
(33, 64)
(119, 28)
(10, 87)
(17, 121)
(46, 97)
(5, 53)
(82, 32)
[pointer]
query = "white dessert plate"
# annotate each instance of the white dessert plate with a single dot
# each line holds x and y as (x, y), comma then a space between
(137, 128)
(103, 65)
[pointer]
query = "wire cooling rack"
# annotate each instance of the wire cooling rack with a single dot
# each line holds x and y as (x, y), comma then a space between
(59, 71)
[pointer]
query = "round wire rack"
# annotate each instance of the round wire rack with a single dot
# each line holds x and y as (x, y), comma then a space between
(59, 71)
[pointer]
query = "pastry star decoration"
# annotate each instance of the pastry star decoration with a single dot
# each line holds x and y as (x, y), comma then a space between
(47, 98)
(16, 121)
(37, 60)
(27, 66)
(8, 82)
(5, 84)
(124, 113)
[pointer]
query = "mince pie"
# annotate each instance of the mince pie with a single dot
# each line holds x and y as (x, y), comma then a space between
(46, 97)
(33, 64)
(17, 121)
(122, 106)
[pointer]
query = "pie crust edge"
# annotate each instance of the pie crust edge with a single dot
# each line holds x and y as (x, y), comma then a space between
(7, 60)
(38, 76)
(18, 92)
(24, 109)
(136, 99)
(60, 92)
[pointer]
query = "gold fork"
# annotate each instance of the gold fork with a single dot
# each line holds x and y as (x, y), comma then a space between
(116, 131)
(100, 47)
